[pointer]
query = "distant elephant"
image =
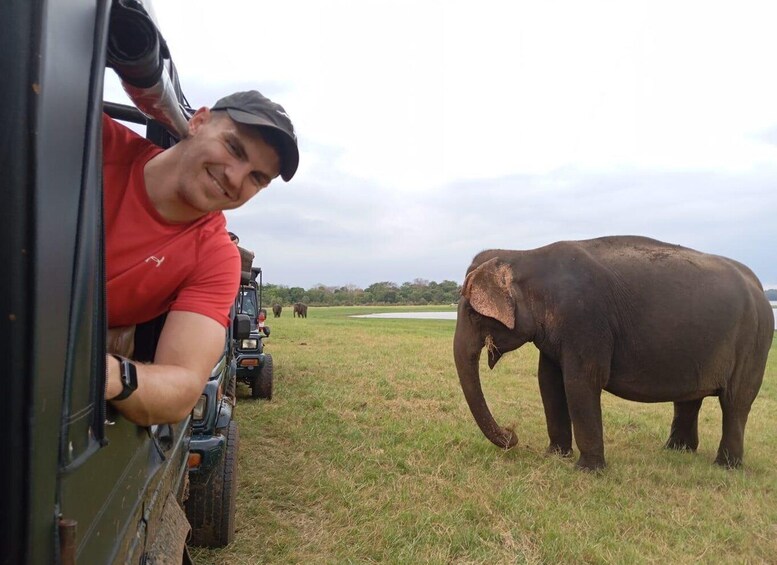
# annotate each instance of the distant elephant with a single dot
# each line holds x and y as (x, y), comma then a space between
(276, 310)
(641, 319)
(300, 310)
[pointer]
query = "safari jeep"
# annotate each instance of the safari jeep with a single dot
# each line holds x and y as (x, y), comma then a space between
(80, 484)
(254, 366)
(213, 449)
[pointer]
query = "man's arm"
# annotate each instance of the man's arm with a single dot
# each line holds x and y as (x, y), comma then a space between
(188, 349)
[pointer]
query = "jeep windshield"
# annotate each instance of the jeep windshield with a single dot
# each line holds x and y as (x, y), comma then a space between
(247, 303)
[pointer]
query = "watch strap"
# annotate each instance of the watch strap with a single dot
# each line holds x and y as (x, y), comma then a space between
(128, 375)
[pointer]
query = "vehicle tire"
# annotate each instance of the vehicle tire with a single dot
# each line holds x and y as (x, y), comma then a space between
(210, 507)
(262, 384)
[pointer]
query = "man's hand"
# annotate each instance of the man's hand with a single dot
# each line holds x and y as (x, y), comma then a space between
(188, 349)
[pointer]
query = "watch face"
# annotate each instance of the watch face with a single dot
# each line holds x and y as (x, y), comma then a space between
(128, 375)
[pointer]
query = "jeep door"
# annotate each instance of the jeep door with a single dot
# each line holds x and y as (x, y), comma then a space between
(80, 484)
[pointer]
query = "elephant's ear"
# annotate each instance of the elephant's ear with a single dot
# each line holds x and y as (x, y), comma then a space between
(489, 290)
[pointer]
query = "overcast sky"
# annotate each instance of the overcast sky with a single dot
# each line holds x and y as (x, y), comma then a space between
(431, 130)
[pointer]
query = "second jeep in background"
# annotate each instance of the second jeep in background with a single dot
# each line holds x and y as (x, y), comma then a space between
(254, 367)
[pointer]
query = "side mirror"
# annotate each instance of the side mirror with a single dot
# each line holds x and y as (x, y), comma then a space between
(241, 326)
(266, 330)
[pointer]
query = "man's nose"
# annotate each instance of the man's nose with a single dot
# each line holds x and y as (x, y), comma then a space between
(238, 173)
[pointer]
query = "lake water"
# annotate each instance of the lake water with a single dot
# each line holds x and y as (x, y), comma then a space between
(452, 315)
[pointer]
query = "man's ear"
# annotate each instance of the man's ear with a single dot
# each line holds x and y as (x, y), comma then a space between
(201, 116)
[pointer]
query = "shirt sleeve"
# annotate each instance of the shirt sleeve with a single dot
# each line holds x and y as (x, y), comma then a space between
(212, 287)
(120, 143)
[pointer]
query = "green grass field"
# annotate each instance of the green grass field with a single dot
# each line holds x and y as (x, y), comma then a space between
(368, 454)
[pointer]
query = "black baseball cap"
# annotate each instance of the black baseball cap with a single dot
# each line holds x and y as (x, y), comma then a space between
(253, 109)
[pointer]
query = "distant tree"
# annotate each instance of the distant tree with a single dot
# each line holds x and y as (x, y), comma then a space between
(419, 291)
(274, 294)
(296, 294)
(317, 295)
(450, 292)
(771, 294)
(383, 292)
(343, 298)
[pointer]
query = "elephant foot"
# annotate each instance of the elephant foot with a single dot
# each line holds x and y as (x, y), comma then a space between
(679, 444)
(559, 450)
(590, 463)
(728, 461)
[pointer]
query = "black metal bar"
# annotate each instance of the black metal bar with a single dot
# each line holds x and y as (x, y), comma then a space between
(124, 112)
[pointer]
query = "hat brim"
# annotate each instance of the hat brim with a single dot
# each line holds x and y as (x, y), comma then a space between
(290, 157)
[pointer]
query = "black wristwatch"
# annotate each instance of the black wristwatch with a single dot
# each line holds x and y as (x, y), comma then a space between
(129, 377)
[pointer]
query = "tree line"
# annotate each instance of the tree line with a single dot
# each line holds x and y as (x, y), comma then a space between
(418, 292)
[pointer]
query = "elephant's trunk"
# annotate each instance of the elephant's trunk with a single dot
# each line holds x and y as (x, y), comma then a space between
(467, 345)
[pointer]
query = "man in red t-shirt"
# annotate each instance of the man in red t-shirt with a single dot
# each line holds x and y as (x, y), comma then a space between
(167, 248)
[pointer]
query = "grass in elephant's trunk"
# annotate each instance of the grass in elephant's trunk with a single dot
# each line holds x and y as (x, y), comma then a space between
(368, 454)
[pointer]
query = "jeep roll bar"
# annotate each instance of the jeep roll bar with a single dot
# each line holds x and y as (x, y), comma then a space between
(138, 54)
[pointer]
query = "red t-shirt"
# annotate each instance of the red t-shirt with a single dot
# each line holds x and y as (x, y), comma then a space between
(153, 266)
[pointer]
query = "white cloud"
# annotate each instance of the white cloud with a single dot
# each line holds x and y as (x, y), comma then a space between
(430, 130)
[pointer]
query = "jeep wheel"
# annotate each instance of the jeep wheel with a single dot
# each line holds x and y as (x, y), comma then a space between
(261, 387)
(210, 507)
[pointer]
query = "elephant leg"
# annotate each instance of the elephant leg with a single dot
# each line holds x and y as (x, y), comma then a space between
(684, 434)
(731, 449)
(554, 400)
(583, 386)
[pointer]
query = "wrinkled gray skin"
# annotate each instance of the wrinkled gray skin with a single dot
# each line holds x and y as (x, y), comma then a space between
(641, 319)
(276, 310)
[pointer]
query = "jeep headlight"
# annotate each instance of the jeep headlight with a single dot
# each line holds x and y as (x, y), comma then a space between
(199, 409)
(249, 343)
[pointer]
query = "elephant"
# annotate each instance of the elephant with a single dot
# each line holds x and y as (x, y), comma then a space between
(300, 310)
(276, 310)
(644, 320)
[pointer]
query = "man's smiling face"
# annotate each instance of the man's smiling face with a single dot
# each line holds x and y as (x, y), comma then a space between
(224, 163)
